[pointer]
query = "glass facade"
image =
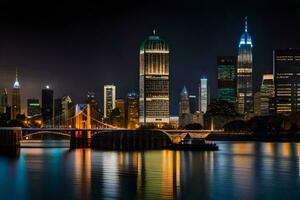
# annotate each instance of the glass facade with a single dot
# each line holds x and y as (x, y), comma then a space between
(109, 99)
(226, 66)
(244, 73)
(47, 106)
(266, 94)
(132, 111)
(154, 81)
(287, 80)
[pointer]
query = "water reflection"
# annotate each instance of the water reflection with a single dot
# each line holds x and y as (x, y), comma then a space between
(238, 171)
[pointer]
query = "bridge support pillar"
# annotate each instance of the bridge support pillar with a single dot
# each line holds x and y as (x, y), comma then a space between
(10, 137)
(80, 139)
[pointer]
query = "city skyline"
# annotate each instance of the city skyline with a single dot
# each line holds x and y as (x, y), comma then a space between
(80, 49)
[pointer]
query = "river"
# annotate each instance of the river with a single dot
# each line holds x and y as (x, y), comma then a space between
(239, 170)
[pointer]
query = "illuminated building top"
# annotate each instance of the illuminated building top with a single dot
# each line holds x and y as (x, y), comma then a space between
(17, 83)
(246, 37)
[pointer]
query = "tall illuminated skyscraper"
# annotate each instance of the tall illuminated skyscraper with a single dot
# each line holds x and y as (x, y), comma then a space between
(244, 73)
(266, 93)
(154, 81)
(109, 99)
(203, 95)
(16, 98)
(184, 103)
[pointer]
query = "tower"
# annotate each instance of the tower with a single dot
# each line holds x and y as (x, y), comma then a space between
(203, 95)
(109, 99)
(154, 81)
(16, 98)
(47, 106)
(184, 104)
(244, 73)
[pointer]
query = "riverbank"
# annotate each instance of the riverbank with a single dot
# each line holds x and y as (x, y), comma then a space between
(281, 137)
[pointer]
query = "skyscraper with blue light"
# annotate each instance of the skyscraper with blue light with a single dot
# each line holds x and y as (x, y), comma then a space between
(244, 73)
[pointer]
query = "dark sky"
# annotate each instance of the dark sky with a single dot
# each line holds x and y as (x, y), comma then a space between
(79, 47)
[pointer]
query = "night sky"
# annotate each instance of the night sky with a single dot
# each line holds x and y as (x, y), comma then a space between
(79, 47)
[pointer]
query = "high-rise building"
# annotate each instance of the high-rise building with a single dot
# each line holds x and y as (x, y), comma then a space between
(154, 81)
(226, 66)
(184, 103)
(16, 99)
(266, 94)
(109, 99)
(244, 73)
(91, 99)
(257, 104)
(287, 80)
(47, 106)
(3, 101)
(120, 105)
(203, 95)
(132, 111)
(33, 108)
(63, 111)
(193, 104)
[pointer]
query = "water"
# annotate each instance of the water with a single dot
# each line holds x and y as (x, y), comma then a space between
(240, 170)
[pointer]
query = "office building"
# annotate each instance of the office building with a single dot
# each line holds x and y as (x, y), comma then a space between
(91, 99)
(267, 92)
(3, 101)
(47, 106)
(193, 103)
(109, 99)
(244, 73)
(33, 108)
(257, 104)
(286, 71)
(203, 95)
(132, 111)
(184, 104)
(118, 119)
(154, 81)
(226, 66)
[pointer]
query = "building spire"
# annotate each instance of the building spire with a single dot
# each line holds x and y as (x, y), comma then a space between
(154, 32)
(246, 24)
(17, 84)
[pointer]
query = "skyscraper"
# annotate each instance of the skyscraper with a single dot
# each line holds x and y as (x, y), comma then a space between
(257, 104)
(203, 95)
(226, 66)
(47, 106)
(16, 98)
(120, 105)
(132, 110)
(193, 104)
(154, 81)
(266, 93)
(3, 101)
(91, 99)
(244, 73)
(287, 80)
(184, 104)
(109, 99)
(33, 107)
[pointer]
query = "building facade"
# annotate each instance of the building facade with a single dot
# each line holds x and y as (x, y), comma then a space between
(47, 106)
(184, 103)
(257, 104)
(33, 108)
(244, 73)
(3, 101)
(109, 99)
(132, 111)
(120, 105)
(267, 92)
(193, 103)
(154, 81)
(226, 66)
(286, 71)
(16, 99)
(203, 95)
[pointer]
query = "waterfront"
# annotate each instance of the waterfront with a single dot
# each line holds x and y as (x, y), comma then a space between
(239, 170)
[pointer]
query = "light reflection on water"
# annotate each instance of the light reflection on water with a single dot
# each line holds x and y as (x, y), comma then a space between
(240, 170)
